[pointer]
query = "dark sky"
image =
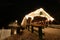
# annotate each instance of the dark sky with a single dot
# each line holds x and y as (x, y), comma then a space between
(16, 9)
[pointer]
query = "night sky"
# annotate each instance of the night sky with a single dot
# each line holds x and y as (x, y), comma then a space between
(17, 9)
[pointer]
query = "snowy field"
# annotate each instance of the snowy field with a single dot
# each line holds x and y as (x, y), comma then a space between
(51, 33)
(4, 33)
(54, 26)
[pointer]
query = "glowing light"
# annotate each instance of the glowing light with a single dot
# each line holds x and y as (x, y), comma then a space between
(27, 16)
(52, 19)
(16, 21)
(15, 32)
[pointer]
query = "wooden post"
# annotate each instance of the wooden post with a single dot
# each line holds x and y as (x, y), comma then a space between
(32, 29)
(28, 27)
(40, 32)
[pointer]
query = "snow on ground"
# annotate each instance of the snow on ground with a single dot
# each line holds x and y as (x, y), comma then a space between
(50, 34)
(4, 33)
(54, 26)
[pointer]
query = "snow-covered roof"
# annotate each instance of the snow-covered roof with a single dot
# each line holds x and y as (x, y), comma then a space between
(37, 13)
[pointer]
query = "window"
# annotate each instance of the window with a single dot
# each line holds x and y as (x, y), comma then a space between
(41, 13)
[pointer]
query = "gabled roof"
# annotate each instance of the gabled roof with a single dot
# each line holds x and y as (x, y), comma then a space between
(40, 12)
